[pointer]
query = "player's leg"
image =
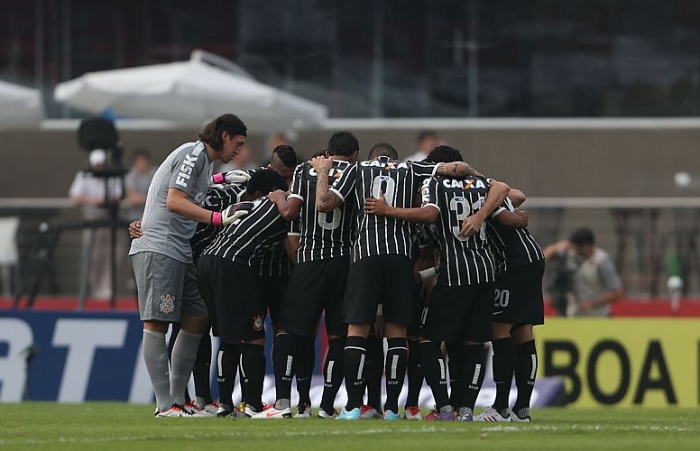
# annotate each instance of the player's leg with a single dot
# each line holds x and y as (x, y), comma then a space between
(159, 295)
(201, 374)
(396, 289)
(503, 364)
(525, 370)
(228, 354)
(335, 286)
(284, 360)
(441, 321)
(374, 368)
(305, 350)
(413, 368)
(455, 363)
(193, 324)
(246, 323)
(359, 312)
(174, 331)
(477, 329)
(530, 312)
(227, 366)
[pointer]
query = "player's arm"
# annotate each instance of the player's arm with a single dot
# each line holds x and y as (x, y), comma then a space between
(516, 197)
(425, 214)
(517, 219)
(498, 192)
(326, 200)
(291, 243)
(135, 229)
(288, 206)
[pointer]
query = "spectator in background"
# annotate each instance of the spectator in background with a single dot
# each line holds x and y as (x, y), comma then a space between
(88, 191)
(243, 161)
(595, 284)
(137, 182)
(427, 141)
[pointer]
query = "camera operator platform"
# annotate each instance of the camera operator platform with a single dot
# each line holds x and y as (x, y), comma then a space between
(105, 178)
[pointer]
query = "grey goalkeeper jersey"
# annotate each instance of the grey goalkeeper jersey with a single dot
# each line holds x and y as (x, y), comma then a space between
(189, 169)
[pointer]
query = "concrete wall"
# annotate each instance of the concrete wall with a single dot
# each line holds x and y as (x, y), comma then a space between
(576, 161)
(566, 159)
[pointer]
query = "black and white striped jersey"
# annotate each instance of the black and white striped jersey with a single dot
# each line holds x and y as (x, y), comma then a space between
(511, 247)
(322, 235)
(399, 181)
(217, 198)
(463, 260)
(246, 240)
(274, 262)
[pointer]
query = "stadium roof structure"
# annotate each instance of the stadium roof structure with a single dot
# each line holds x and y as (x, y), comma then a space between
(190, 93)
(20, 107)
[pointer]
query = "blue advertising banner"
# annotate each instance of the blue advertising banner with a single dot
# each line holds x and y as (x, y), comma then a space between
(96, 356)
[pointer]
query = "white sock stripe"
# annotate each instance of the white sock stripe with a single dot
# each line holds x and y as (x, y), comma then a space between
(154, 333)
(240, 365)
(394, 364)
(391, 349)
(189, 334)
(288, 369)
(442, 369)
(355, 347)
(361, 368)
(219, 363)
(477, 371)
(533, 372)
(329, 371)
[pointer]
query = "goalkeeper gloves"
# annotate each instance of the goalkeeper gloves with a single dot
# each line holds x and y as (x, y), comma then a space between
(236, 176)
(231, 214)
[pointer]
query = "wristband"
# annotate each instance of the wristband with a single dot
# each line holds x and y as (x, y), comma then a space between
(216, 218)
(427, 274)
(218, 178)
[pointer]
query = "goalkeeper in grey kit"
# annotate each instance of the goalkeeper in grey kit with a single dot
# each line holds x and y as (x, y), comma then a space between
(162, 257)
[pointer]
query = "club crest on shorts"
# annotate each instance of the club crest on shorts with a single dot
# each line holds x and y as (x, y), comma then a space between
(258, 323)
(167, 303)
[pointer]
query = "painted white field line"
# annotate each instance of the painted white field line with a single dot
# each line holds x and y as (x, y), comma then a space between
(199, 436)
(288, 433)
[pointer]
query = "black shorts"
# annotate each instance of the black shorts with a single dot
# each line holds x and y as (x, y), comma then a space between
(518, 297)
(232, 294)
(460, 311)
(379, 279)
(272, 289)
(418, 306)
(313, 287)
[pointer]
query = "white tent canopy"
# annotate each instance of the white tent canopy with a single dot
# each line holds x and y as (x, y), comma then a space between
(20, 107)
(190, 93)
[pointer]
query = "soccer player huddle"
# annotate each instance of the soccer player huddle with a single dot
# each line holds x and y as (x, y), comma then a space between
(432, 256)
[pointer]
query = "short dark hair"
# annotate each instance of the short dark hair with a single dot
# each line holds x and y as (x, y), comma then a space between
(444, 154)
(383, 150)
(343, 143)
(424, 134)
(225, 123)
(582, 236)
(265, 181)
(141, 153)
(320, 153)
(286, 154)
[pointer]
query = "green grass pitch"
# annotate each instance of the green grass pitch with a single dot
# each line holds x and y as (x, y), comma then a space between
(122, 426)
